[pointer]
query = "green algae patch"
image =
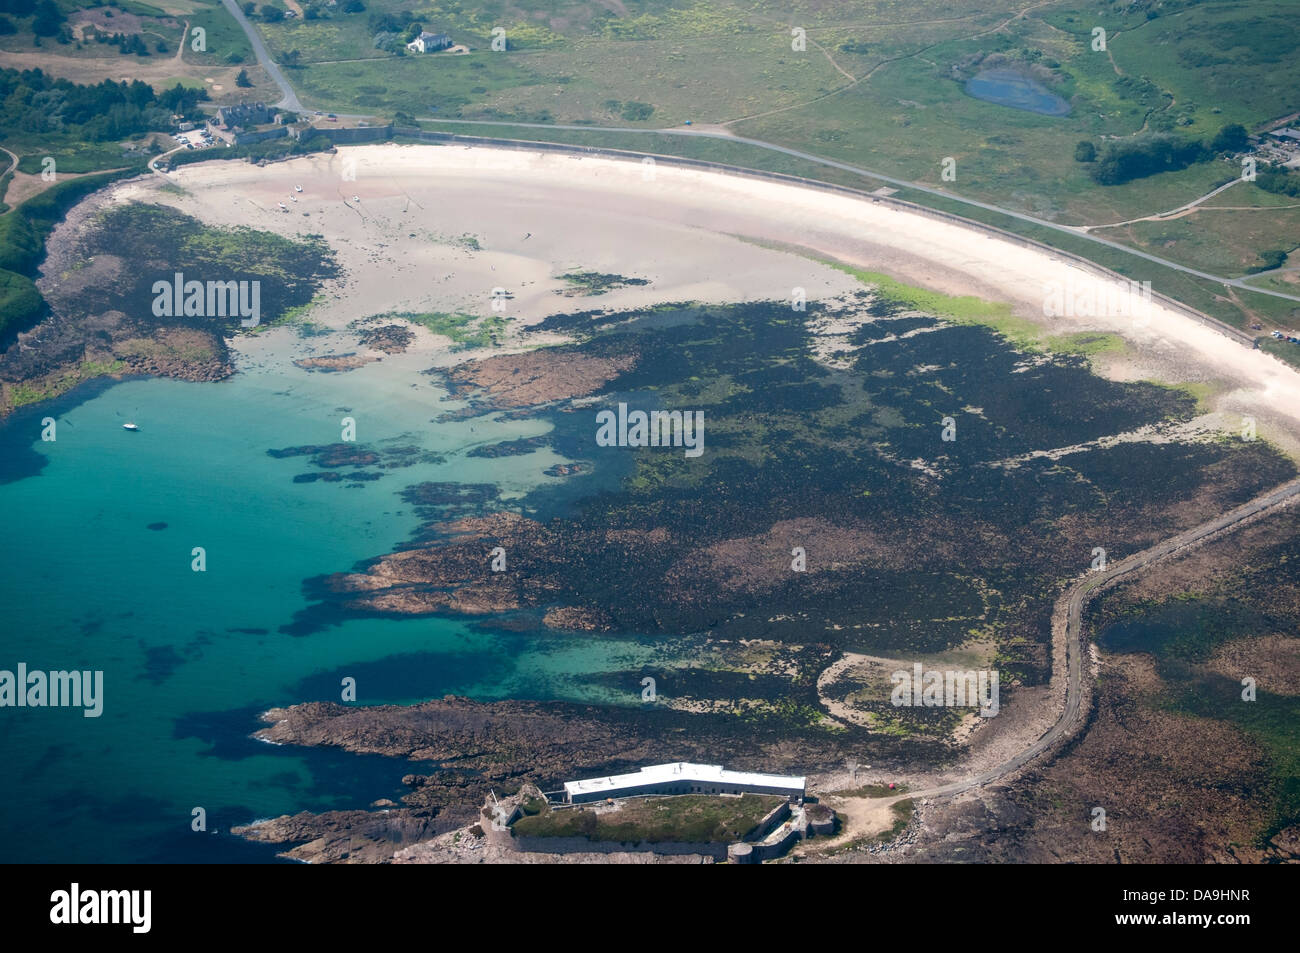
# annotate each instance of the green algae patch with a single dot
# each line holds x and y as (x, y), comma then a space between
(1086, 343)
(465, 330)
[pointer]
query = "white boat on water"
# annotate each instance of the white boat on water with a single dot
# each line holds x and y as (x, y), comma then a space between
(129, 426)
(297, 188)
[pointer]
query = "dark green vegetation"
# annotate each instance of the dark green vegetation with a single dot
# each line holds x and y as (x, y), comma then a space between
(105, 299)
(1279, 181)
(21, 305)
(788, 439)
(164, 241)
(23, 231)
(1236, 618)
(1138, 158)
(466, 330)
(692, 818)
(597, 283)
(46, 19)
(51, 111)
(41, 116)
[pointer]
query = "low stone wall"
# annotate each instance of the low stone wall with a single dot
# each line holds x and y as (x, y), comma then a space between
(248, 138)
(774, 819)
(349, 136)
(577, 845)
(776, 848)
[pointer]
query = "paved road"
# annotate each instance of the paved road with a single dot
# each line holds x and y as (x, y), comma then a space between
(290, 100)
(1076, 647)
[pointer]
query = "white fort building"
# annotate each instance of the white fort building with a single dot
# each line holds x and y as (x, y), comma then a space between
(682, 778)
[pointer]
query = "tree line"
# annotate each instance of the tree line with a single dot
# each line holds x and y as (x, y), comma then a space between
(32, 101)
(1129, 159)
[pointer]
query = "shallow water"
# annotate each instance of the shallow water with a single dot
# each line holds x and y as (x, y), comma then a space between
(1009, 88)
(191, 658)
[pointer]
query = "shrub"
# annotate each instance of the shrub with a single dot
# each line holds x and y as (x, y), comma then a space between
(21, 305)
(47, 20)
(1231, 138)
(1138, 158)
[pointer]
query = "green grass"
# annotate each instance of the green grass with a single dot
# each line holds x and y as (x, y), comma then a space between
(966, 309)
(1086, 343)
(694, 818)
(70, 155)
(24, 394)
(902, 812)
(225, 40)
(1220, 242)
(465, 330)
(532, 806)
(421, 86)
(1288, 352)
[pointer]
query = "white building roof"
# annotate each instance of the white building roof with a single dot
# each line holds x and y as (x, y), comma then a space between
(681, 771)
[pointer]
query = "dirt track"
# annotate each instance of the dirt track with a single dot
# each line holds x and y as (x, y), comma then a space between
(877, 816)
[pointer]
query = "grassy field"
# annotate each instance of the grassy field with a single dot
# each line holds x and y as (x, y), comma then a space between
(225, 40)
(695, 818)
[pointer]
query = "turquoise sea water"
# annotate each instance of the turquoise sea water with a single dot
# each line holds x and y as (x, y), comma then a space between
(191, 658)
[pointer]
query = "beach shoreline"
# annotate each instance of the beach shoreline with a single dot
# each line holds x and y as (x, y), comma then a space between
(438, 227)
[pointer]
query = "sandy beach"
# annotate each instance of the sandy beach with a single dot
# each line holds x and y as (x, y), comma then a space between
(438, 228)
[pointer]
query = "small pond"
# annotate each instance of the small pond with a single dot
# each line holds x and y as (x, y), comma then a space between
(1009, 88)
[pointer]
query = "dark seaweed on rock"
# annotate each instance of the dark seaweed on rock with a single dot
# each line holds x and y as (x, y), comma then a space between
(163, 241)
(914, 543)
(510, 448)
